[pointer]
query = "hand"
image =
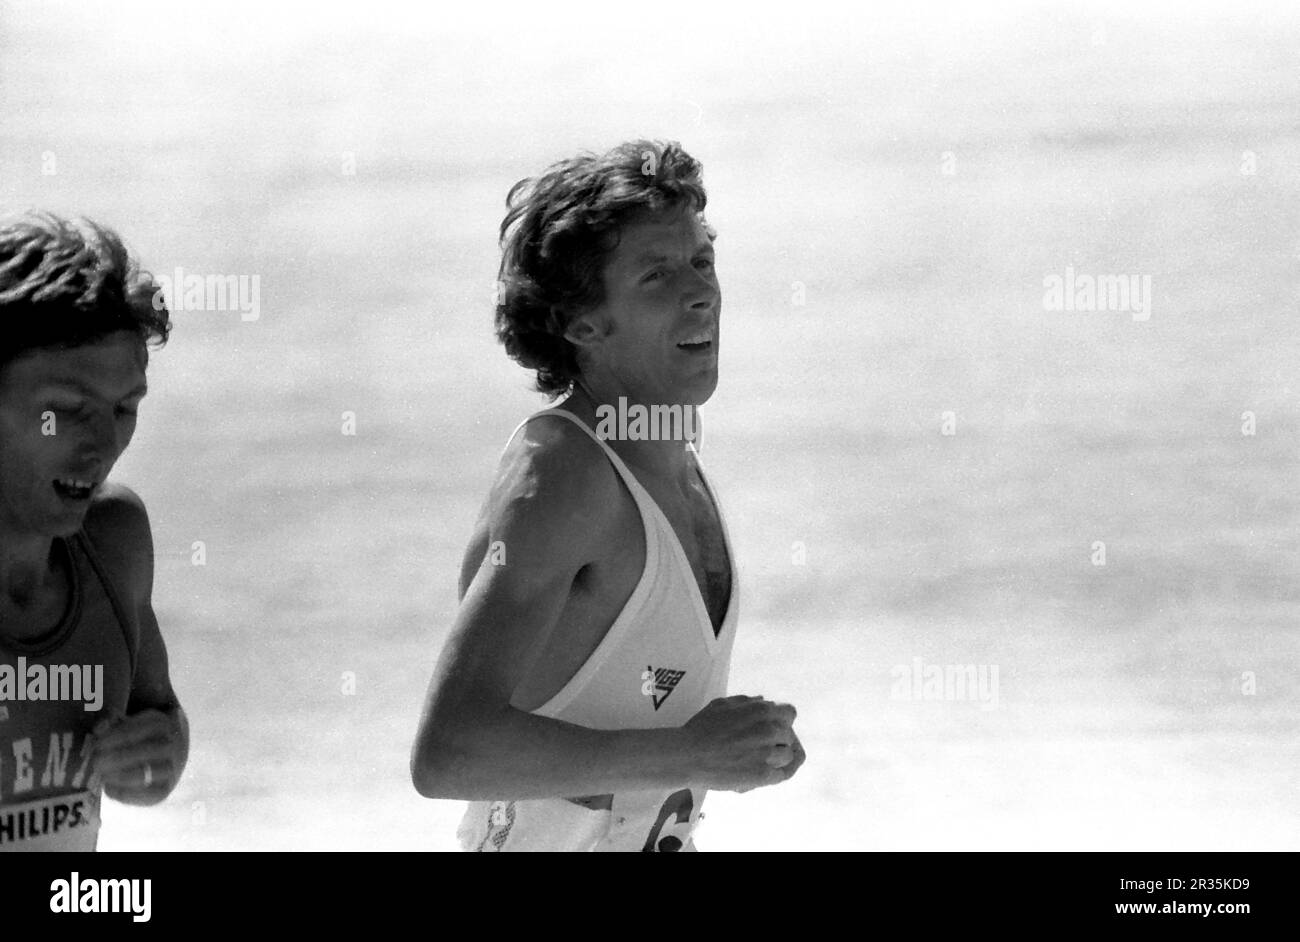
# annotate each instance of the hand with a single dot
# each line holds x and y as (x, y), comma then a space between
(140, 757)
(741, 743)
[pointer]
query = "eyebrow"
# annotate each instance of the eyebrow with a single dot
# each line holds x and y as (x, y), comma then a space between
(140, 389)
(648, 258)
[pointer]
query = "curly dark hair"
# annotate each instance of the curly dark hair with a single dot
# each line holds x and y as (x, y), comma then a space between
(559, 230)
(65, 283)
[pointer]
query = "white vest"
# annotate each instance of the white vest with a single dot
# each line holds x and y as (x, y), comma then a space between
(657, 666)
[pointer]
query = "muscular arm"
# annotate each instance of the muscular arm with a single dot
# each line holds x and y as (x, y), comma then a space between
(155, 730)
(552, 511)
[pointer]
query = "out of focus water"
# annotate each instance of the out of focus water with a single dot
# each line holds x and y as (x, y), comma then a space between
(867, 292)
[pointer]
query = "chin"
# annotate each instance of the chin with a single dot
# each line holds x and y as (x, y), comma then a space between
(697, 394)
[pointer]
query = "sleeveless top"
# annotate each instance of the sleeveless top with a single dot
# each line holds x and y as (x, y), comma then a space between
(50, 687)
(658, 665)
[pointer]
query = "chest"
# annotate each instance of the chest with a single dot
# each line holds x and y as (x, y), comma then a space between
(695, 522)
(603, 588)
(40, 611)
(50, 702)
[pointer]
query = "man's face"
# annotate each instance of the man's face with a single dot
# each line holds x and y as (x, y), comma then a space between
(65, 417)
(660, 314)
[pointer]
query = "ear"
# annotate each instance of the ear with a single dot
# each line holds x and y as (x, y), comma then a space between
(586, 330)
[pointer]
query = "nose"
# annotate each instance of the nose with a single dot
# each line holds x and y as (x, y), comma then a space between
(102, 443)
(702, 293)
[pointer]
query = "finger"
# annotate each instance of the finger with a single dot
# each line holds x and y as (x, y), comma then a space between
(117, 761)
(780, 756)
(140, 776)
(143, 718)
(778, 733)
(779, 714)
(103, 727)
(131, 795)
(134, 730)
(800, 754)
(137, 731)
(133, 752)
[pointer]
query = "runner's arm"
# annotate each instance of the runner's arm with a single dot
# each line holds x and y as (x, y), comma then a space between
(472, 744)
(154, 731)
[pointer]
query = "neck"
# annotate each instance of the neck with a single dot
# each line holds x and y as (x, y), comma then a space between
(663, 457)
(25, 565)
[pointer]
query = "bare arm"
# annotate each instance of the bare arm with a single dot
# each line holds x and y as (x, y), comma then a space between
(140, 756)
(552, 516)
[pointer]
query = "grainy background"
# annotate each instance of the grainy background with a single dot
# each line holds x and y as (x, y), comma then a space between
(891, 188)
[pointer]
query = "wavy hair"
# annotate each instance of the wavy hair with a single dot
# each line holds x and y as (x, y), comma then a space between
(560, 229)
(64, 284)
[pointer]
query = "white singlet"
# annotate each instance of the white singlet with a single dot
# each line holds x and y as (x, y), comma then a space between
(657, 666)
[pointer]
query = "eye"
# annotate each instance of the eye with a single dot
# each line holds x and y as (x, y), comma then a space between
(655, 275)
(126, 410)
(704, 263)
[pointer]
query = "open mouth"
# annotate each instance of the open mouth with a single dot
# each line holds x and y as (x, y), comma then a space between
(698, 343)
(74, 489)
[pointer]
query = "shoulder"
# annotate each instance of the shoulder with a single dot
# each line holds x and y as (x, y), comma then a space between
(554, 481)
(557, 467)
(117, 524)
(117, 513)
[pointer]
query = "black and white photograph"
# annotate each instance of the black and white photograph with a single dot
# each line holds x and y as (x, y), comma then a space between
(650, 427)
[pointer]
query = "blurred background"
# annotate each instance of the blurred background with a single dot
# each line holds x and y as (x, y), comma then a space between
(892, 187)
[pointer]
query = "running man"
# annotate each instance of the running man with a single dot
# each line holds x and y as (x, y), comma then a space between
(86, 704)
(580, 702)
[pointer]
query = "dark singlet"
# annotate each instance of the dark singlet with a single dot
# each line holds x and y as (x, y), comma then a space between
(49, 795)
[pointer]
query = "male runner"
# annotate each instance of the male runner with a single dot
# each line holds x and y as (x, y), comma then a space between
(580, 701)
(86, 704)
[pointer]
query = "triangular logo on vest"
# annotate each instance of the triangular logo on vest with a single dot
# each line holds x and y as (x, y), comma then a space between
(665, 682)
